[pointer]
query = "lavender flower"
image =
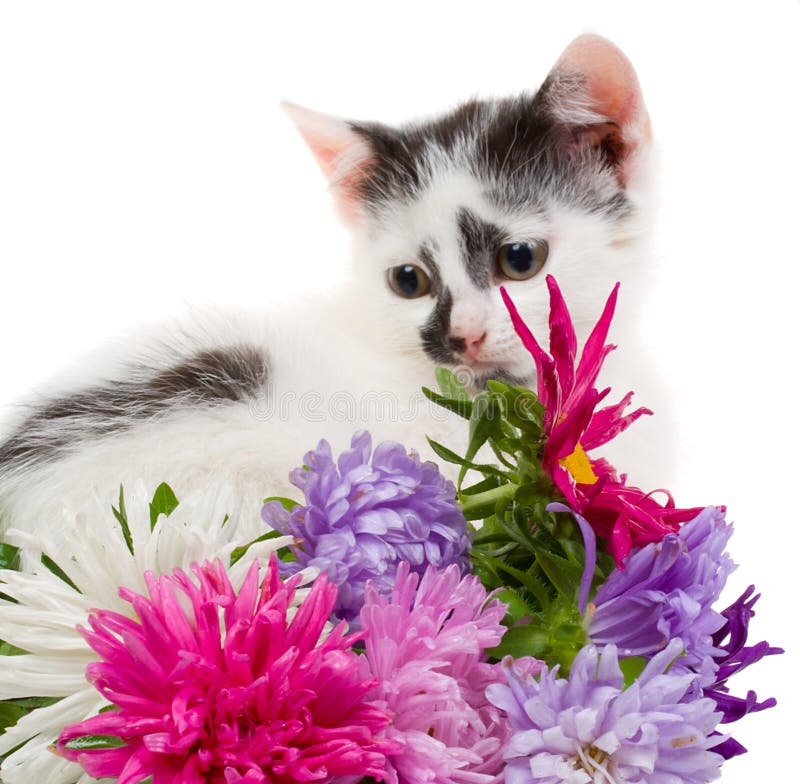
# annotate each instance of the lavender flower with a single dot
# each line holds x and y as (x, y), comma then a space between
(363, 516)
(666, 590)
(588, 729)
(733, 657)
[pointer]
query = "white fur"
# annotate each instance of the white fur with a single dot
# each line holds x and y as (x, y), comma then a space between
(353, 359)
(335, 365)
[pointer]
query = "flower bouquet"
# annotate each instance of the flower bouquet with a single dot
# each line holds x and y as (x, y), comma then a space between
(543, 621)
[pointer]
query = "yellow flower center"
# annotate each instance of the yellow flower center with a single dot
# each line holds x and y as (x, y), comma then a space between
(595, 763)
(579, 467)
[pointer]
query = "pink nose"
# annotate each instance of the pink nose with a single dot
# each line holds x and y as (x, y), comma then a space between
(473, 344)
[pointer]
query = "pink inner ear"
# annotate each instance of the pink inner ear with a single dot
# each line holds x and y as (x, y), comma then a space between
(325, 151)
(327, 137)
(611, 81)
(345, 180)
(342, 154)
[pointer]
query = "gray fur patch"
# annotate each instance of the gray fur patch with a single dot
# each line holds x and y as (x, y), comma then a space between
(480, 242)
(435, 331)
(207, 378)
(525, 150)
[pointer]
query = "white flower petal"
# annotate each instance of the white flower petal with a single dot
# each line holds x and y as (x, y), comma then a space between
(49, 721)
(41, 676)
(33, 761)
(92, 551)
(49, 631)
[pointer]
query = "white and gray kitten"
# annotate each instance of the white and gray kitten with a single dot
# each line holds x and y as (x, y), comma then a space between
(442, 212)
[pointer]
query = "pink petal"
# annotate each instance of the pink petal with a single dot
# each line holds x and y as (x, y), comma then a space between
(566, 484)
(620, 544)
(563, 343)
(566, 435)
(608, 422)
(595, 350)
(307, 703)
(546, 378)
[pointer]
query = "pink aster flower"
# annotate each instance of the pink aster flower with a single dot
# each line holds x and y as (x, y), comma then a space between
(426, 644)
(573, 425)
(211, 687)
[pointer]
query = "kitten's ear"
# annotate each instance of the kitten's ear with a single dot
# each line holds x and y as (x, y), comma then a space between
(343, 154)
(593, 88)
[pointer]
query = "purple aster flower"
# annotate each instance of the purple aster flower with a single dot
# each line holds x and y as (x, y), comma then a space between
(426, 646)
(666, 590)
(589, 729)
(734, 656)
(363, 516)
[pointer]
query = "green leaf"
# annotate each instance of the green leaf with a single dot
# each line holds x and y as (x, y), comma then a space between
(451, 457)
(558, 570)
(91, 742)
(518, 528)
(122, 519)
(517, 606)
(11, 711)
(10, 714)
(450, 385)
(287, 503)
(445, 453)
(479, 506)
(498, 453)
(462, 408)
(528, 640)
(528, 404)
(58, 571)
(239, 552)
(526, 579)
(532, 493)
(632, 667)
(489, 483)
(9, 556)
(7, 649)
(30, 703)
(497, 386)
(483, 423)
(164, 502)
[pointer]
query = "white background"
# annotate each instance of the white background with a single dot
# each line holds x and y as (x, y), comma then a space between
(144, 164)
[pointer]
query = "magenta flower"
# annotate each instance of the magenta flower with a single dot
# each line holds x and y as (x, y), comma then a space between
(426, 646)
(573, 425)
(213, 687)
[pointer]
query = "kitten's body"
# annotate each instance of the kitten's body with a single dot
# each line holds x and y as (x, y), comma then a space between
(240, 399)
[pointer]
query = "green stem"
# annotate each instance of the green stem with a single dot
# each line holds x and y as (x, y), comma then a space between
(488, 498)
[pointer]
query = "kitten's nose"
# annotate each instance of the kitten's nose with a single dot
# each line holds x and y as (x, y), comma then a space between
(468, 345)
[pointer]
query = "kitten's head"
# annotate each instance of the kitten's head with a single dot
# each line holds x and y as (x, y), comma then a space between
(497, 192)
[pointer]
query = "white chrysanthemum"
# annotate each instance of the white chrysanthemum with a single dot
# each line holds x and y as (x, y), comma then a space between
(43, 610)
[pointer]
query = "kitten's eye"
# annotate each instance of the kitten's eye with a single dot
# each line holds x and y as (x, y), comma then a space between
(522, 260)
(409, 281)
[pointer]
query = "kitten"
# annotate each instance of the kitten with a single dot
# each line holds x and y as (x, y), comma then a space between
(442, 212)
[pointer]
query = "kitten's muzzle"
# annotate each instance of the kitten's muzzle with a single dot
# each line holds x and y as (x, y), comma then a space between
(469, 346)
